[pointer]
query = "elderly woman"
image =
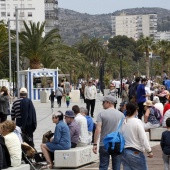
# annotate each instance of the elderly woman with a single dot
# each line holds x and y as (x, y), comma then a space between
(4, 103)
(150, 120)
(60, 140)
(12, 142)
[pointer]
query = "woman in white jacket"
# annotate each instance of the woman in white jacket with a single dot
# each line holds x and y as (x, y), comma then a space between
(12, 142)
(136, 141)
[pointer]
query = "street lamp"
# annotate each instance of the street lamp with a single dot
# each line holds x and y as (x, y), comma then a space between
(120, 58)
(17, 44)
(101, 73)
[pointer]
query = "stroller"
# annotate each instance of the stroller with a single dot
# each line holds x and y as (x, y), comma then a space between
(29, 153)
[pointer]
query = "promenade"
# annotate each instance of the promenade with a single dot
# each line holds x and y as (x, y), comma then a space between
(44, 123)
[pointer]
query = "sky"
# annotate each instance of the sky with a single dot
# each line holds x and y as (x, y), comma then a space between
(109, 6)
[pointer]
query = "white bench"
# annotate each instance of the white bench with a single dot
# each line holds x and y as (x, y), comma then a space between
(74, 157)
(21, 167)
(156, 133)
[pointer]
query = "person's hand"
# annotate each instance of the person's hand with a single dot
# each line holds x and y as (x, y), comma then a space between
(95, 149)
(150, 155)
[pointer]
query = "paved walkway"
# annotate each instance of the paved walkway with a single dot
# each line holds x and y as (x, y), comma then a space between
(44, 113)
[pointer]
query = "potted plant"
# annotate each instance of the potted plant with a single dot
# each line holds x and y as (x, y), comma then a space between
(107, 78)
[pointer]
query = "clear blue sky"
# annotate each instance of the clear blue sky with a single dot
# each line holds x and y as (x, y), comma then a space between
(109, 6)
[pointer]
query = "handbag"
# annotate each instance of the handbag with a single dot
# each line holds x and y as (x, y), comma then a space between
(46, 137)
(114, 142)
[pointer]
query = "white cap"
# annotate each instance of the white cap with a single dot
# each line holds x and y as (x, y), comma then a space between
(23, 90)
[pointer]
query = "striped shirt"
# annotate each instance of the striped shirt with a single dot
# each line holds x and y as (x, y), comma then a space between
(16, 109)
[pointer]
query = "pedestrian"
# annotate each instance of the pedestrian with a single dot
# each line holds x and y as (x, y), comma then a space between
(60, 141)
(141, 97)
(51, 98)
(4, 104)
(67, 99)
(165, 141)
(107, 122)
(24, 114)
(58, 94)
(136, 141)
(82, 122)
(90, 97)
(113, 92)
(67, 87)
(73, 126)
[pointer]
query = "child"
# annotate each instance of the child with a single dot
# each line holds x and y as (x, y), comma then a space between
(51, 98)
(67, 99)
(165, 145)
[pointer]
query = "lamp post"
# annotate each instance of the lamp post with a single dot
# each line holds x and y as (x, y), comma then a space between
(101, 73)
(17, 44)
(120, 58)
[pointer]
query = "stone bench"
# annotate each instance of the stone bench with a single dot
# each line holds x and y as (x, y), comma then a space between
(74, 157)
(156, 133)
(21, 167)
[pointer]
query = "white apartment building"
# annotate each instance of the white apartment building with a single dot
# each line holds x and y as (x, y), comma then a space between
(7, 11)
(51, 14)
(162, 36)
(133, 26)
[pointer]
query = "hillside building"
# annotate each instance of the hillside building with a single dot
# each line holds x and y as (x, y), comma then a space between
(133, 26)
(162, 36)
(51, 14)
(7, 11)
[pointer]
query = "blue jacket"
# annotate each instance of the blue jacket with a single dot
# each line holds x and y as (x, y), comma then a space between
(90, 123)
(141, 93)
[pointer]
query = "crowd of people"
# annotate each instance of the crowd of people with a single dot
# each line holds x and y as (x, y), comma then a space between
(144, 105)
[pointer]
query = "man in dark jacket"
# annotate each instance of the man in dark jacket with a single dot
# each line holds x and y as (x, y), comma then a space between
(23, 112)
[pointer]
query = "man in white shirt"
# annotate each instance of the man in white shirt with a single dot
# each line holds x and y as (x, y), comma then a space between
(117, 84)
(90, 94)
(82, 122)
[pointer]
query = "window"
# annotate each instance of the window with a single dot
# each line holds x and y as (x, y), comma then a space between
(8, 14)
(29, 14)
(3, 6)
(21, 14)
(29, 5)
(3, 14)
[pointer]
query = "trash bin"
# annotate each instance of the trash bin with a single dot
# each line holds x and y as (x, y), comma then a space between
(44, 98)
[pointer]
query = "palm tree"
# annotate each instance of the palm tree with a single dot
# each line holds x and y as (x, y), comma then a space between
(34, 46)
(145, 45)
(94, 51)
(162, 48)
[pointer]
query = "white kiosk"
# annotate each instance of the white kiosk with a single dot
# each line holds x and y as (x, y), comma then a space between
(37, 80)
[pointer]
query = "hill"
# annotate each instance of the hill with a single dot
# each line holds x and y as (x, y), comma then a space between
(73, 24)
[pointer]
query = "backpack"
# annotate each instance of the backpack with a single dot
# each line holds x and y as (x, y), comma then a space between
(114, 142)
(132, 90)
(157, 113)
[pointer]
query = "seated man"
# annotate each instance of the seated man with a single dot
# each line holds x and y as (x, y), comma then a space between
(123, 107)
(73, 126)
(90, 122)
(81, 120)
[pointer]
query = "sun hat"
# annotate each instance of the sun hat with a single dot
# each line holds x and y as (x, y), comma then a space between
(148, 103)
(156, 99)
(69, 113)
(23, 90)
(109, 98)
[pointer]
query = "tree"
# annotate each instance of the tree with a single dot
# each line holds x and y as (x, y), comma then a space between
(162, 48)
(145, 45)
(34, 46)
(94, 51)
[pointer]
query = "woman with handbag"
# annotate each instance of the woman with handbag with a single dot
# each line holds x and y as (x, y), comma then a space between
(136, 142)
(60, 140)
(58, 94)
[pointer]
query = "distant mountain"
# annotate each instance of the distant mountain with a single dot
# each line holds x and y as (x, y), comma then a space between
(73, 24)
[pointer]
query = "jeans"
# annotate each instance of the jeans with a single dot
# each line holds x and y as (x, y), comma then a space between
(166, 159)
(67, 103)
(133, 160)
(104, 160)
